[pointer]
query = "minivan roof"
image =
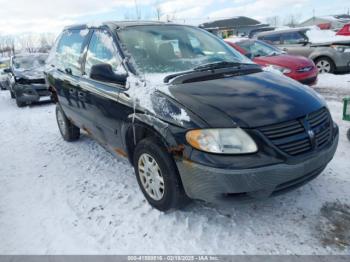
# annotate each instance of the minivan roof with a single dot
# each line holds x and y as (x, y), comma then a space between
(116, 24)
(301, 29)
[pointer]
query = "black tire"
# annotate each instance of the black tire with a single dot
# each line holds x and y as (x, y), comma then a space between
(348, 134)
(326, 61)
(12, 94)
(68, 130)
(174, 196)
(19, 103)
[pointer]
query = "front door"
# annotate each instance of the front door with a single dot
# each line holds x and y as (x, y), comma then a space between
(101, 98)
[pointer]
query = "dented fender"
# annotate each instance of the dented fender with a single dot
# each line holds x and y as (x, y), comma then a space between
(173, 137)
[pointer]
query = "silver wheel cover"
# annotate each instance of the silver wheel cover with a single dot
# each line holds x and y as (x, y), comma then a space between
(323, 66)
(151, 176)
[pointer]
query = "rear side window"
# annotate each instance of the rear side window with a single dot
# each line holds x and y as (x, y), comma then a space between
(102, 50)
(292, 38)
(271, 39)
(69, 49)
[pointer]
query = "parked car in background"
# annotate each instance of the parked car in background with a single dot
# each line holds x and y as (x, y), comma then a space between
(27, 82)
(194, 117)
(297, 67)
(330, 56)
(345, 31)
(4, 66)
(254, 32)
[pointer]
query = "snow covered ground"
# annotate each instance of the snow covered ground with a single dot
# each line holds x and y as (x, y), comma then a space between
(74, 198)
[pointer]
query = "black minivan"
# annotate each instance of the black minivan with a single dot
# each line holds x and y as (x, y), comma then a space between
(196, 119)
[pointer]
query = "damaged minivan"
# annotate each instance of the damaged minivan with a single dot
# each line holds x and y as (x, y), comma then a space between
(26, 79)
(195, 118)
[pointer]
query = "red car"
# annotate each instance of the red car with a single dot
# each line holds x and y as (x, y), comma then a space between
(297, 67)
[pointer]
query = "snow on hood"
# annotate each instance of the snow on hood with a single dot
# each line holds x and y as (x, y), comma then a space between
(142, 90)
(31, 66)
(318, 36)
(35, 73)
(234, 40)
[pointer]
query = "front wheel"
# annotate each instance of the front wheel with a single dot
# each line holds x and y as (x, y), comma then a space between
(68, 130)
(158, 177)
(20, 103)
(325, 65)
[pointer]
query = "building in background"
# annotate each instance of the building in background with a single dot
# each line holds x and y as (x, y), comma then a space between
(327, 22)
(236, 26)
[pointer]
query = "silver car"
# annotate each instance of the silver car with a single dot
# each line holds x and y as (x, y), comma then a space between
(4, 65)
(329, 57)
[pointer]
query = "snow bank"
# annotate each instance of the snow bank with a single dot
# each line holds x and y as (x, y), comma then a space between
(329, 80)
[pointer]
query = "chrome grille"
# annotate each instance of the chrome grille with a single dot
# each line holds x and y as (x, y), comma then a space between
(302, 135)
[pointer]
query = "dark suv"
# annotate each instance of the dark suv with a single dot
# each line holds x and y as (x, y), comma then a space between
(195, 118)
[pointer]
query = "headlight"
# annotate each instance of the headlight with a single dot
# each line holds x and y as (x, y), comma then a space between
(283, 70)
(222, 141)
(342, 48)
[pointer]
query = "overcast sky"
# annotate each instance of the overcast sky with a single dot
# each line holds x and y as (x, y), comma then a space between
(17, 16)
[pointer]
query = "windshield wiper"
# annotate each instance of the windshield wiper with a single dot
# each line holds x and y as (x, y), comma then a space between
(217, 65)
(206, 67)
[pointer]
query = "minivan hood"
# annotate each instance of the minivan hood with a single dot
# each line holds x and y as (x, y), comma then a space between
(249, 101)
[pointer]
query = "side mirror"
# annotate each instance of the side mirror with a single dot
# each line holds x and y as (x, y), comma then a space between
(7, 70)
(105, 73)
(249, 55)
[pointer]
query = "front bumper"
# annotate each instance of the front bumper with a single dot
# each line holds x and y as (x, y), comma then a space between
(216, 185)
(306, 78)
(31, 93)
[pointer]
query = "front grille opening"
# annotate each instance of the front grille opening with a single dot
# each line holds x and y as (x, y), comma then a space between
(236, 195)
(293, 137)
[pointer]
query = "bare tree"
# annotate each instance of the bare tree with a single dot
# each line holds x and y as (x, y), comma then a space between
(292, 20)
(127, 15)
(158, 10)
(273, 21)
(7, 46)
(137, 10)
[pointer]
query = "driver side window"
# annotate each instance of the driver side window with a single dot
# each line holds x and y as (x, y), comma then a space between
(102, 50)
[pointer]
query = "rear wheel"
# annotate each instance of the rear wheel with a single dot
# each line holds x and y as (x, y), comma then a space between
(325, 65)
(348, 134)
(68, 130)
(12, 94)
(158, 177)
